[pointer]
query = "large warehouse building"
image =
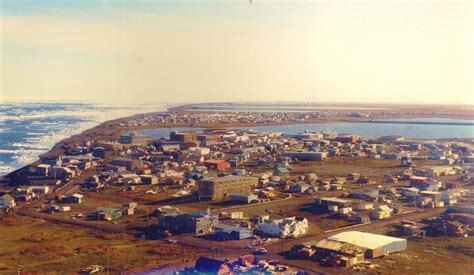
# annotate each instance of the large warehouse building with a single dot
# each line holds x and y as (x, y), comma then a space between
(376, 245)
(222, 187)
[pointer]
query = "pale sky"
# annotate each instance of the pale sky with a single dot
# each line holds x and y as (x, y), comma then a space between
(196, 51)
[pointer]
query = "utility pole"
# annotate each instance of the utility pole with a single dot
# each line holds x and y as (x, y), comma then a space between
(108, 260)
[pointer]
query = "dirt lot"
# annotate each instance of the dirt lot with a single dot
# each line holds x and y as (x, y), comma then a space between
(433, 255)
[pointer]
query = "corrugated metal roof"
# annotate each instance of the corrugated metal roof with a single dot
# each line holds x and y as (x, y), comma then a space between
(362, 239)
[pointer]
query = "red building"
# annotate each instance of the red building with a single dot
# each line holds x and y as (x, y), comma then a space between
(217, 164)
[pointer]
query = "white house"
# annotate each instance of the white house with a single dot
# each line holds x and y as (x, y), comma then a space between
(284, 228)
(200, 151)
(381, 211)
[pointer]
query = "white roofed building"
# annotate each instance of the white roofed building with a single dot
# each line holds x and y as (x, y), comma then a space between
(376, 245)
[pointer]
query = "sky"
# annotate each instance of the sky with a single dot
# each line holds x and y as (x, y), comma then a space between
(417, 52)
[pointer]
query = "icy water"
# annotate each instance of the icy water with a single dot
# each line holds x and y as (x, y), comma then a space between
(415, 131)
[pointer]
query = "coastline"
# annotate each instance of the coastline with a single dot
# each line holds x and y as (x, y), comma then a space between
(112, 129)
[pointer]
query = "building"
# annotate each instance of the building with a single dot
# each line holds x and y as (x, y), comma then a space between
(221, 187)
(306, 155)
(230, 232)
(99, 152)
(129, 208)
(437, 171)
(149, 179)
(199, 223)
(205, 265)
(406, 161)
(299, 187)
(183, 137)
(332, 204)
(381, 212)
(376, 245)
(43, 169)
(284, 228)
(391, 139)
(365, 194)
(135, 139)
(7, 201)
(39, 189)
(341, 253)
(347, 138)
(128, 163)
(74, 198)
(244, 198)
(217, 164)
(108, 213)
(63, 173)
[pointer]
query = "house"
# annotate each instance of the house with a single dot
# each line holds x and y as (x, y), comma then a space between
(199, 223)
(244, 198)
(54, 208)
(230, 232)
(284, 228)
(415, 180)
(129, 178)
(306, 155)
(74, 198)
(217, 164)
(405, 161)
(365, 206)
(206, 265)
(167, 209)
(99, 152)
(133, 138)
(42, 169)
(409, 191)
(456, 228)
(62, 173)
(149, 179)
(437, 171)
(7, 201)
(353, 176)
(299, 187)
(434, 195)
(345, 138)
(303, 251)
(39, 189)
(108, 213)
(366, 194)
(281, 171)
(381, 212)
(331, 203)
(129, 208)
(127, 163)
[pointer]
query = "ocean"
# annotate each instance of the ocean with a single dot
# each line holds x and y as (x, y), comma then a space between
(30, 129)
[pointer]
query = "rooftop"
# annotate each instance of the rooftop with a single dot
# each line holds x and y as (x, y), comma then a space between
(363, 239)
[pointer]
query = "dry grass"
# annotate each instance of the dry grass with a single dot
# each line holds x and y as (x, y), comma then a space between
(67, 249)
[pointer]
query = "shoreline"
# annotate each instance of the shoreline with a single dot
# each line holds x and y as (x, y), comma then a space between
(112, 129)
